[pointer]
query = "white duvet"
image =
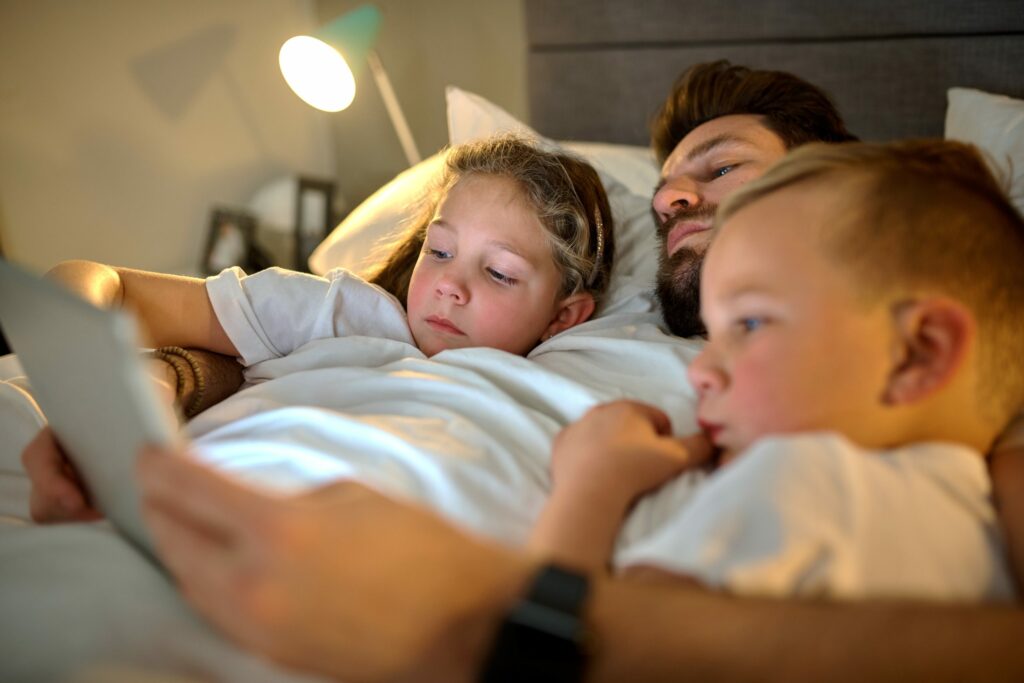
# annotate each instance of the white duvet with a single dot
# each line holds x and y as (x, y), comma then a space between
(467, 433)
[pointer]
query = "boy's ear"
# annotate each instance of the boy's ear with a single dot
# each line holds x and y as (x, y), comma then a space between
(933, 338)
(572, 311)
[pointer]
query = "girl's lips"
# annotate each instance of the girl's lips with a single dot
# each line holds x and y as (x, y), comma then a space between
(444, 325)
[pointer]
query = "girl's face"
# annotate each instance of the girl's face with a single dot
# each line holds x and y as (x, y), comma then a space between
(485, 276)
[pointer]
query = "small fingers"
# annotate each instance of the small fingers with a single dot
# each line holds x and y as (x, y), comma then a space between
(698, 447)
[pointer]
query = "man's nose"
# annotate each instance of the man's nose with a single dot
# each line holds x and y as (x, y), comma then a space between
(675, 195)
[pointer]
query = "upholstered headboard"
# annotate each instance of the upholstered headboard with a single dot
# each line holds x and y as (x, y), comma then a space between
(599, 68)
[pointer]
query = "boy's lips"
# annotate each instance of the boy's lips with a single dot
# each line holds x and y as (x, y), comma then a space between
(442, 324)
(711, 429)
(681, 231)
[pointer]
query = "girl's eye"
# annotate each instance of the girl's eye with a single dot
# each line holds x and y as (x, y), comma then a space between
(501, 278)
(438, 253)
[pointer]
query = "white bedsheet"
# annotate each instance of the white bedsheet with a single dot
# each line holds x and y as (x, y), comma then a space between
(467, 433)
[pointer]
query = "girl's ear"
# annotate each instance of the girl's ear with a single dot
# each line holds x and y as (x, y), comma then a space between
(572, 311)
(933, 338)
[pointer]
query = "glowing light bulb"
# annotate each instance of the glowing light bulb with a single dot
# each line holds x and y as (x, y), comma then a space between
(317, 73)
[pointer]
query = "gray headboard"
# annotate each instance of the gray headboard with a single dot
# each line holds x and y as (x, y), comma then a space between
(598, 68)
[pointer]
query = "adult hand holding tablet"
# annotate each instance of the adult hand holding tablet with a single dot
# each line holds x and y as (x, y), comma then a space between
(91, 383)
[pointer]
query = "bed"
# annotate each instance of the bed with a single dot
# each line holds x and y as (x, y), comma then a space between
(77, 601)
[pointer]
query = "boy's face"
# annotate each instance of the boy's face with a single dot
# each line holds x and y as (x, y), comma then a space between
(790, 347)
(486, 275)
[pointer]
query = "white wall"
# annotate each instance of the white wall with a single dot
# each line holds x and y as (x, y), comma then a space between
(123, 122)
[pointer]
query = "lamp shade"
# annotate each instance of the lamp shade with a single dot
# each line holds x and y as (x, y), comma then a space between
(319, 68)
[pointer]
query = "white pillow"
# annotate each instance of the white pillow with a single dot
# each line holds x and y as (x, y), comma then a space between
(995, 123)
(378, 216)
(628, 172)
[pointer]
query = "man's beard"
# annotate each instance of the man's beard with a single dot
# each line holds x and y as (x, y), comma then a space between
(678, 290)
(678, 284)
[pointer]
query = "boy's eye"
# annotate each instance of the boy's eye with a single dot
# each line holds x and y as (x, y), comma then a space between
(501, 278)
(719, 172)
(749, 324)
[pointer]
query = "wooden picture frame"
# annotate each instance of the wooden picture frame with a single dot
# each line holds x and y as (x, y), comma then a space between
(314, 198)
(230, 241)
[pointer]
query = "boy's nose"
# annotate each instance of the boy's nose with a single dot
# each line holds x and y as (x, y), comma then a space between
(705, 374)
(675, 195)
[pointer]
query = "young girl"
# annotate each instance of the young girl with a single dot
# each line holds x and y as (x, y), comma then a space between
(513, 246)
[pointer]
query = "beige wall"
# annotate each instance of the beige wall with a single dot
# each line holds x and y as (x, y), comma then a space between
(477, 45)
(123, 122)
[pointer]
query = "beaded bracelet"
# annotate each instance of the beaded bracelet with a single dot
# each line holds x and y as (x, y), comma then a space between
(169, 354)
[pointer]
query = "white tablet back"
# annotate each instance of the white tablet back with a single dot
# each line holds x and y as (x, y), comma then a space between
(86, 373)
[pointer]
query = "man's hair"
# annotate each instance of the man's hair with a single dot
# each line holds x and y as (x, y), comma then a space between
(790, 107)
(922, 216)
(563, 189)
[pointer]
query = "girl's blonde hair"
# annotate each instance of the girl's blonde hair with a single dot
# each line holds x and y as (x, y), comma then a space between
(564, 191)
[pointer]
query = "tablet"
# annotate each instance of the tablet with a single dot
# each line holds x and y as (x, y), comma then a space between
(90, 380)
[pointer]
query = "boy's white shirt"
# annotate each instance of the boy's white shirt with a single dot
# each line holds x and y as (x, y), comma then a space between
(815, 515)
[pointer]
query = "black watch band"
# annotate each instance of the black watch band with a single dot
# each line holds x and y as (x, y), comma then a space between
(541, 639)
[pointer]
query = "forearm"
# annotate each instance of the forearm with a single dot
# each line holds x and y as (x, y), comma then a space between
(664, 632)
(1008, 488)
(220, 377)
(578, 529)
(172, 309)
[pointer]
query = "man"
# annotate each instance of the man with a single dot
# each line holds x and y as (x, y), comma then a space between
(720, 127)
(280, 576)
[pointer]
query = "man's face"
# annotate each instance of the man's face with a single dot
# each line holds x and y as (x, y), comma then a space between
(708, 165)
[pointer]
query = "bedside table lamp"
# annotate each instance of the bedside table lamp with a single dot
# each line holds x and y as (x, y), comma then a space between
(317, 72)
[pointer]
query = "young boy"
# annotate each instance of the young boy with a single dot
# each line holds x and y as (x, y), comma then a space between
(862, 303)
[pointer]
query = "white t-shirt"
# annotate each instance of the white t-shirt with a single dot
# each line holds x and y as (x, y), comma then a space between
(814, 515)
(272, 313)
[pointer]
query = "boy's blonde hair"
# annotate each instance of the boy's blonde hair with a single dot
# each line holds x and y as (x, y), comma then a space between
(564, 190)
(922, 216)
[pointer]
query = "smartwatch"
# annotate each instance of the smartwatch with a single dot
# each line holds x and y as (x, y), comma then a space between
(542, 637)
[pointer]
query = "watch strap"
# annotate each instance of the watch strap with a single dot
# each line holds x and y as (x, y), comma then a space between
(542, 637)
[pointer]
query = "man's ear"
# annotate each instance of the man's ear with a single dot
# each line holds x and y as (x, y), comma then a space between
(572, 311)
(933, 338)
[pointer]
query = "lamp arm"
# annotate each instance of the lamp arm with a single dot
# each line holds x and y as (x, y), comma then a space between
(412, 154)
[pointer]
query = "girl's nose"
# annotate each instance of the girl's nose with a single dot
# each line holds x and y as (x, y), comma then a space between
(451, 287)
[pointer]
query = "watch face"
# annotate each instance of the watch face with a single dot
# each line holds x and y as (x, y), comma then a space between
(541, 638)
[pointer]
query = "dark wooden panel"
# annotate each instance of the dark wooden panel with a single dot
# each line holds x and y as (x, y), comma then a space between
(886, 89)
(676, 22)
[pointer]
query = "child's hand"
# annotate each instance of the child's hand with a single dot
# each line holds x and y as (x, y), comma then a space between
(58, 495)
(623, 449)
